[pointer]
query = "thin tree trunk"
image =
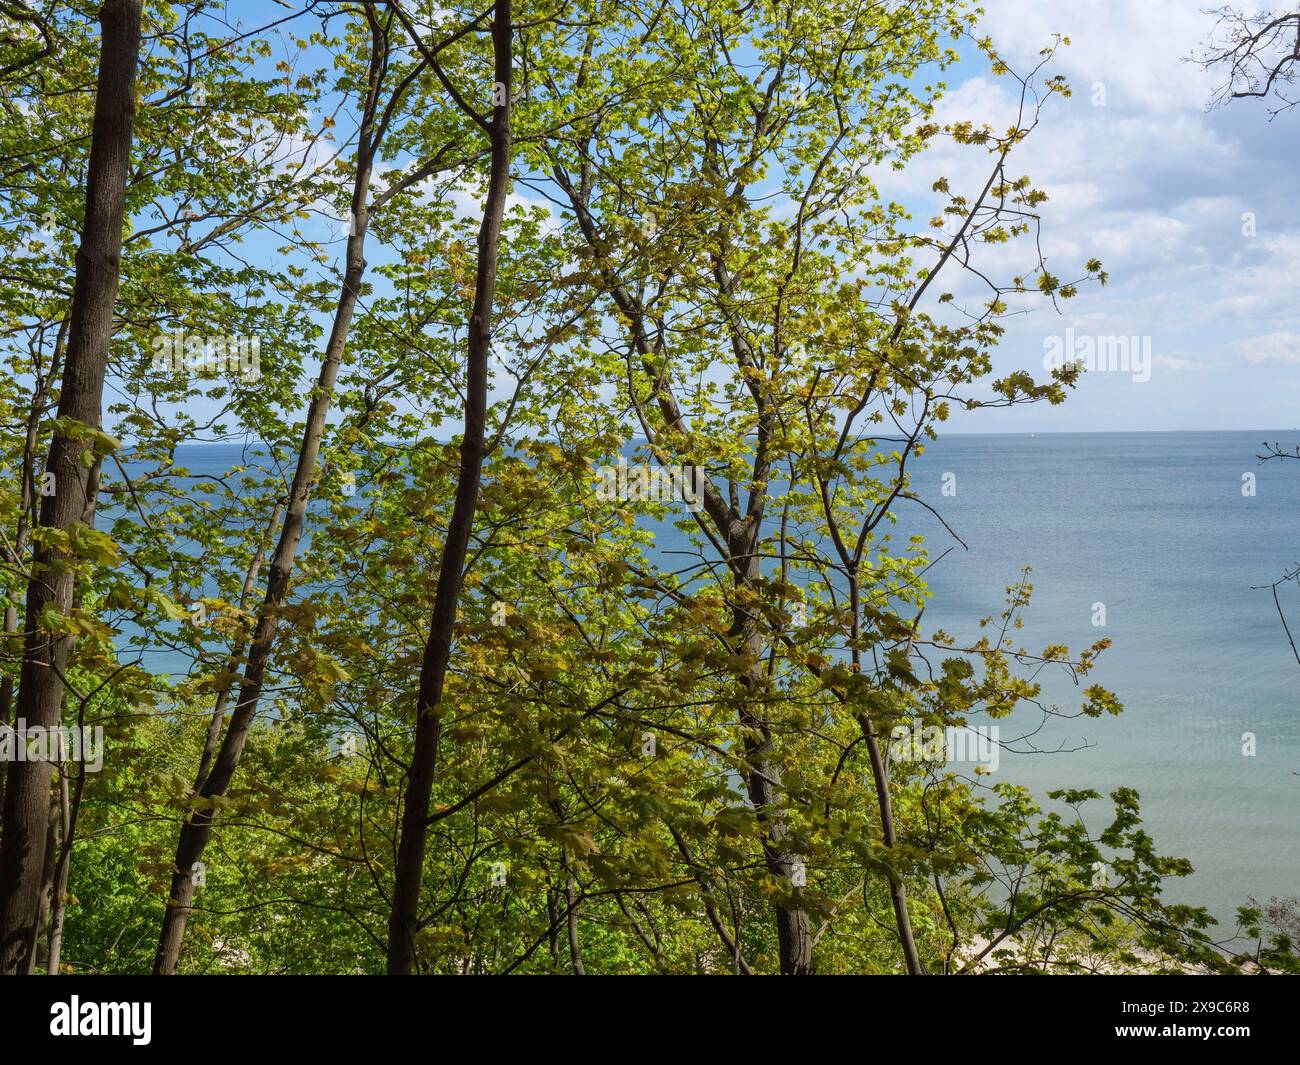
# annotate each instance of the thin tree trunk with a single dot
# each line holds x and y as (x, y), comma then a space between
(64, 811)
(570, 896)
(16, 553)
(571, 899)
(403, 921)
(7, 682)
(40, 688)
(794, 937)
(710, 910)
(897, 889)
(197, 827)
(553, 929)
(59, 893)
(213, 738)
(49, 872)
(880, 776)
(741, 534)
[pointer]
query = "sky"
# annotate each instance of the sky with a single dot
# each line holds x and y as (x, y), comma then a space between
(1191, 211)
(1162, 190)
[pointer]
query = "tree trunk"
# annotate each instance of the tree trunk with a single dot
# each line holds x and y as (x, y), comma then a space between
(59, 892)
(571, 902)
(49, 871)
(16, 553)
(63, 815)
(764, 778)
(197, 827)
(213, 739)
(880, 777)
(403, 921)
(741, 535)
(45, 655)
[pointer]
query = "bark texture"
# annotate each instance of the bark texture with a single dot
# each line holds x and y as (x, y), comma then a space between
(49, 593)
(403, 921)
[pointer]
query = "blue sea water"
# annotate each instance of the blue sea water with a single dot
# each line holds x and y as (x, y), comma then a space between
(1156, 527)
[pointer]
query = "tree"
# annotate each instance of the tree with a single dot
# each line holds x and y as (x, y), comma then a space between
(537, 609)
(404, 919)
(1258, 53)
(213, 780)
(61, 535)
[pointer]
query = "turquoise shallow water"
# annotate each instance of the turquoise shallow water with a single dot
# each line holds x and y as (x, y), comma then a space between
(1155, 526)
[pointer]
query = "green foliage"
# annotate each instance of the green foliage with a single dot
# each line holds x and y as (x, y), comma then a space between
(718, 279)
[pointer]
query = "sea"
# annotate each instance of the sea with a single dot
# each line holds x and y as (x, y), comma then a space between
(1176, 535)
(1166, 544)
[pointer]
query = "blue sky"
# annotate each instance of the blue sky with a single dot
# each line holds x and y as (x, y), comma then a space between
(1192, 213)
(1156, 187)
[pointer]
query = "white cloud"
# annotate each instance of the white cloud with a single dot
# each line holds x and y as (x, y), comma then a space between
(1191, 213)
(1272, 347)
(1136, 49)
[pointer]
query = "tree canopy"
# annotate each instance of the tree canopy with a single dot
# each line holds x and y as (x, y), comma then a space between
(453, 455)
